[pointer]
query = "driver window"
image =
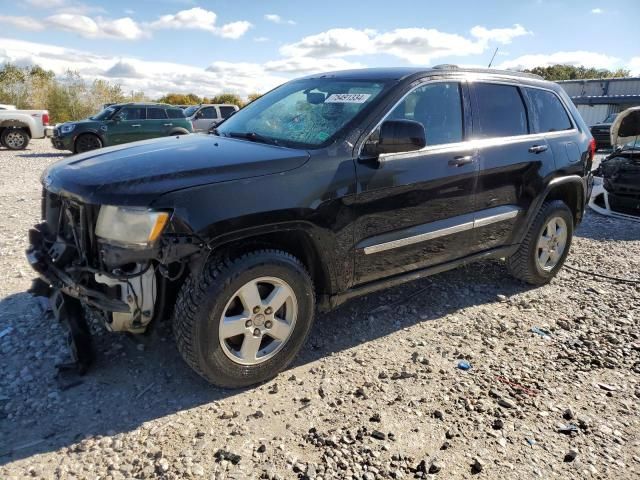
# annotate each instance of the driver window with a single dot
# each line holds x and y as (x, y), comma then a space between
(438, 106)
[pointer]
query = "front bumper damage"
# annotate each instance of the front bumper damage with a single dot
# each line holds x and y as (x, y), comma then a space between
(124, 288)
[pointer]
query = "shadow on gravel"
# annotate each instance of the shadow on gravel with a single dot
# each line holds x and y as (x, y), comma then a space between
(44, 155)
(600, 227)
(128, 386)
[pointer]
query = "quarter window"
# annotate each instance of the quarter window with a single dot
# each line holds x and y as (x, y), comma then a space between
(155, 113)
(226, 111)
(501, 111)
(438, 106)
(175, 113)
(548, 113)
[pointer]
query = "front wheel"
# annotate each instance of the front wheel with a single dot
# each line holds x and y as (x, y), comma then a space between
(242, 321)
(87, 142)
(545, 246)
(15, 138)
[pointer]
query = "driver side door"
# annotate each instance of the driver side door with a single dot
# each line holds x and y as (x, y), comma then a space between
(416, 209)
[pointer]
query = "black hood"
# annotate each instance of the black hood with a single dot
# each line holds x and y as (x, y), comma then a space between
(137, 173)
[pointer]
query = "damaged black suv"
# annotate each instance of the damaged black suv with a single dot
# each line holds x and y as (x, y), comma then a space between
(328, 187)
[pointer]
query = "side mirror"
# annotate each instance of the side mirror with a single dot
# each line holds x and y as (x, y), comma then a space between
(398, 136)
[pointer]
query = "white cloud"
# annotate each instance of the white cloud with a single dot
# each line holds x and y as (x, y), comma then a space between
(597, 11)
(634, 66)
(415, 45)
(121, 28)
(500, 35)
(24, 23)
(261, 39)
(198, 18)
(577, 58)
(307, 65)
(272, 17)
(46, 3)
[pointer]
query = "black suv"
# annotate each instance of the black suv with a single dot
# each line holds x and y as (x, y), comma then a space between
(328, 187)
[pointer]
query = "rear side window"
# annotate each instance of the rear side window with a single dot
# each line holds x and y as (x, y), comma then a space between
(156, 113)
(175, 113)
(548, 114)
(226, 111)
(501, 111)
(133, 113)
(438, 106)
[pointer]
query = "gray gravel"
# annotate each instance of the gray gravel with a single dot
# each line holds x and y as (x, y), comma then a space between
(377, 393)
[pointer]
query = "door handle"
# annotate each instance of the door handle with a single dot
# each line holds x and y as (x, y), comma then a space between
(538, 148)
(135, 126)
(167, 124)
(461, 160)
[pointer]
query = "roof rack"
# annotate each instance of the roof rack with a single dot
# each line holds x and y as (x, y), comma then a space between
(446, 66)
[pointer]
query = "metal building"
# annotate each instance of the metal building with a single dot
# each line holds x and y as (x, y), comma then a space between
(596, 99)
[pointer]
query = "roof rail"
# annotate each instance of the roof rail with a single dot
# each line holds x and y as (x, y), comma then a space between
(446, 66)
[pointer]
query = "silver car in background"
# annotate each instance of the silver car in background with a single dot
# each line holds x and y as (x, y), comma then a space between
(206, 116)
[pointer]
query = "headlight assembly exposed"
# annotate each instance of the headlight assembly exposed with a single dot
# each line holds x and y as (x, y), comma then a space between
(130, 226)
(67, 127)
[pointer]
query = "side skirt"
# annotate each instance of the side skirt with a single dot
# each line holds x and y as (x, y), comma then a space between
(331, 302)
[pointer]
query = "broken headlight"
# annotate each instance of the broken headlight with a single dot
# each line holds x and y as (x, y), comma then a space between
(139, 227)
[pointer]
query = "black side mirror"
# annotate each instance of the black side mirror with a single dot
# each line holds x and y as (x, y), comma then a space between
(398, 136)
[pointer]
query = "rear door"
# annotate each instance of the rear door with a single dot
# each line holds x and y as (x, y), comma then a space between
(129, 127)
(513, 162)
(205, 118)
(416, 208)
(157, 123)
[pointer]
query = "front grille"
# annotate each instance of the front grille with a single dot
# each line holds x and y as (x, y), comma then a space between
(629, 205)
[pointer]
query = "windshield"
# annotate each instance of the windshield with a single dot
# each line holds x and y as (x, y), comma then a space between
(304, 113)
(610, 118)
(104, 114)
(191, 110)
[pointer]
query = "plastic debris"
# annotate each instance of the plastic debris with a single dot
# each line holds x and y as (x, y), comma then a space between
(539, 331)
(568, 429)
(464, 365)
(530, 441)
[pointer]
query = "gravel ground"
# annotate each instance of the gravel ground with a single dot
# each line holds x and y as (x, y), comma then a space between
(377, 392)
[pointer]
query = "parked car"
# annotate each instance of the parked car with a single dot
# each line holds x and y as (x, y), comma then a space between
(602, 132)
(4, 106)
(617, 188)
(121, 123)
(206, 116)
(18, 127)
(328, 187)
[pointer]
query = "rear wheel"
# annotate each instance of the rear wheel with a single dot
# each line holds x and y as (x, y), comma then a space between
(15, 138)
(241, 322)
(86, 142)
(546, 245)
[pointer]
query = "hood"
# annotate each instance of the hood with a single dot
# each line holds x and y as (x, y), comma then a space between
(626, 127)
(137, 173)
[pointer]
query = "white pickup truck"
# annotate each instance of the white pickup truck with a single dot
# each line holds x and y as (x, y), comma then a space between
(17, 127)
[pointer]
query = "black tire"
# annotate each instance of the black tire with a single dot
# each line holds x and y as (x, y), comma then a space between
(15, 138)
(87, 142)
(523, 264)
(179, 132)
(201, 304)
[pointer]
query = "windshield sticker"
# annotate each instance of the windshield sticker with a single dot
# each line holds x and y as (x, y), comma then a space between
(347, 98)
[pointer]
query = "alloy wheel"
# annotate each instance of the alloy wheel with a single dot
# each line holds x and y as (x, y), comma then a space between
(258, 320)
(14, 140)
(552, 243)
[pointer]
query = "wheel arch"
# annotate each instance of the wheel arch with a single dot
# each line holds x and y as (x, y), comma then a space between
(179, 131)
(15, 124)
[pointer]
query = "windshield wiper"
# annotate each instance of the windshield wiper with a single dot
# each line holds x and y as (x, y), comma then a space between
(254, 137)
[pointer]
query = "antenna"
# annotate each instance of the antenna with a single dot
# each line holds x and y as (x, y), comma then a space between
(492, 58)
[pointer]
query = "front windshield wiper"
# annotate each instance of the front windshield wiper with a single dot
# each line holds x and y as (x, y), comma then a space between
(254, 137)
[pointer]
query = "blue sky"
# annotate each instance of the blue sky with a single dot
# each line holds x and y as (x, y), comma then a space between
(245, 46)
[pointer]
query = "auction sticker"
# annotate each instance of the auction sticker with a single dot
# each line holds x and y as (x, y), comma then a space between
(347, 98)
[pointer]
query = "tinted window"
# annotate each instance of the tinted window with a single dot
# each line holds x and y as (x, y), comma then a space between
(501, 112)
(548, 114)
(133, 113)
(226, 111)
(156, 113)
(191, 110)
(208, 113)
(438, 107)
(175, 113)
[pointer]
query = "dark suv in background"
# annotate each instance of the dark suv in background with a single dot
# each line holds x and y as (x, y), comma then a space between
(328, 187)
(602, 132)
(121, 123)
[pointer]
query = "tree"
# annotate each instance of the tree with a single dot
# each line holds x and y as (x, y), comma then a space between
(571, 72)
(253, 96)
(231, 98)
(180, 99)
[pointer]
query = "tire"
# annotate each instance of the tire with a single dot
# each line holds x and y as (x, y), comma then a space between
(15, 138)
(207, 297)
(87, 142)
(178, 132)
(527, 263)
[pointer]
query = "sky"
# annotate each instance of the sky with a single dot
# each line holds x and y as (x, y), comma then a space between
(244, 46)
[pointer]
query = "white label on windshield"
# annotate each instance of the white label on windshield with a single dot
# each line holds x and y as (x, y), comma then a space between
(347, 98)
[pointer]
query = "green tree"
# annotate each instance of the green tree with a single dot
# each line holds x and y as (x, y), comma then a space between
(572, 72)
(180, 99)
(231, 98)
(253, 96)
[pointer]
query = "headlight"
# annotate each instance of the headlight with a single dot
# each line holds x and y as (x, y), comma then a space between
(67, 127)
(130, 226)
